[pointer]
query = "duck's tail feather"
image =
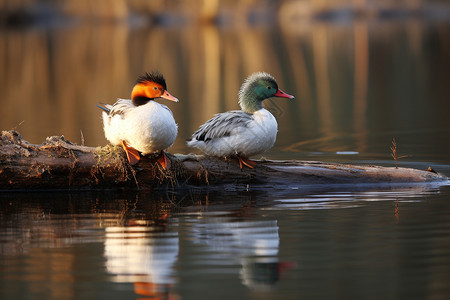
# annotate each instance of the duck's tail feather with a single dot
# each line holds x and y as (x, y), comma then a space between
(193, 143)
(103, 107)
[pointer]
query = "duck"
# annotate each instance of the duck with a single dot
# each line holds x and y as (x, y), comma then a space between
(140, 124)
(246, 132)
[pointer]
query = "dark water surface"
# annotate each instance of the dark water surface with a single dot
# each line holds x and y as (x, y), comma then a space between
(357, 84)
(363, 243)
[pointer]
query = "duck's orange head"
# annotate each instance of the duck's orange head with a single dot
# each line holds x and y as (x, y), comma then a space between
(150, 86)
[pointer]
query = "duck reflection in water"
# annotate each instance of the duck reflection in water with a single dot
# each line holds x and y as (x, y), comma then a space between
(144, 255)
(252, 244)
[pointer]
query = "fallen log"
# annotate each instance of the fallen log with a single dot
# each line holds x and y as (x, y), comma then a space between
(60, 164)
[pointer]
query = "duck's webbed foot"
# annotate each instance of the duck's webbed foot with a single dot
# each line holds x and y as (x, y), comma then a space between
(132, 154)
(164, 161)
(246, 162)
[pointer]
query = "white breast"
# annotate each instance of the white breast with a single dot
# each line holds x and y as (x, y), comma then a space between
(261, 134)
(147, 128)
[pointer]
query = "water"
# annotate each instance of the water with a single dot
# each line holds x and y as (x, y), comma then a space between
(357, 84)
(103, 245)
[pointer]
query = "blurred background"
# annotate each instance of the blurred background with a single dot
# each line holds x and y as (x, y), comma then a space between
(362, 71)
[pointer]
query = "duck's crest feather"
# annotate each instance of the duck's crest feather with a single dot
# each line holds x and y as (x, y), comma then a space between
(154, 76)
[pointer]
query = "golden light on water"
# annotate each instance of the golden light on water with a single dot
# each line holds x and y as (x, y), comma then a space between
(349, 76)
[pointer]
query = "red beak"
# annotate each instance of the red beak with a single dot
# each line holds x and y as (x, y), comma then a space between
(282, 94)
(168, 96)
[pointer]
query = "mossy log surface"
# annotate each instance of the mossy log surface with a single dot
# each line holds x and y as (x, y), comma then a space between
(59, 164)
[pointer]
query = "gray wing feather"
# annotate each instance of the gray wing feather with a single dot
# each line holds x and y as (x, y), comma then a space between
(120, 107)
(222, 125)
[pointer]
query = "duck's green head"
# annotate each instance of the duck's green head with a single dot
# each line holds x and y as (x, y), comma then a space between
(256, 88)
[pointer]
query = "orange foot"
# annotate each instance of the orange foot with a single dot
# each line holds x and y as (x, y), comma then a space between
(247, 162)
(132, 154)
(164, 161)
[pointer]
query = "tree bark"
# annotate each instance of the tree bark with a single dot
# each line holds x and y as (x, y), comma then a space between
(59, 164)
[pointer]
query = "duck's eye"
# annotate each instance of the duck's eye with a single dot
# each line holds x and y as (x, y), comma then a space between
(269, 87)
